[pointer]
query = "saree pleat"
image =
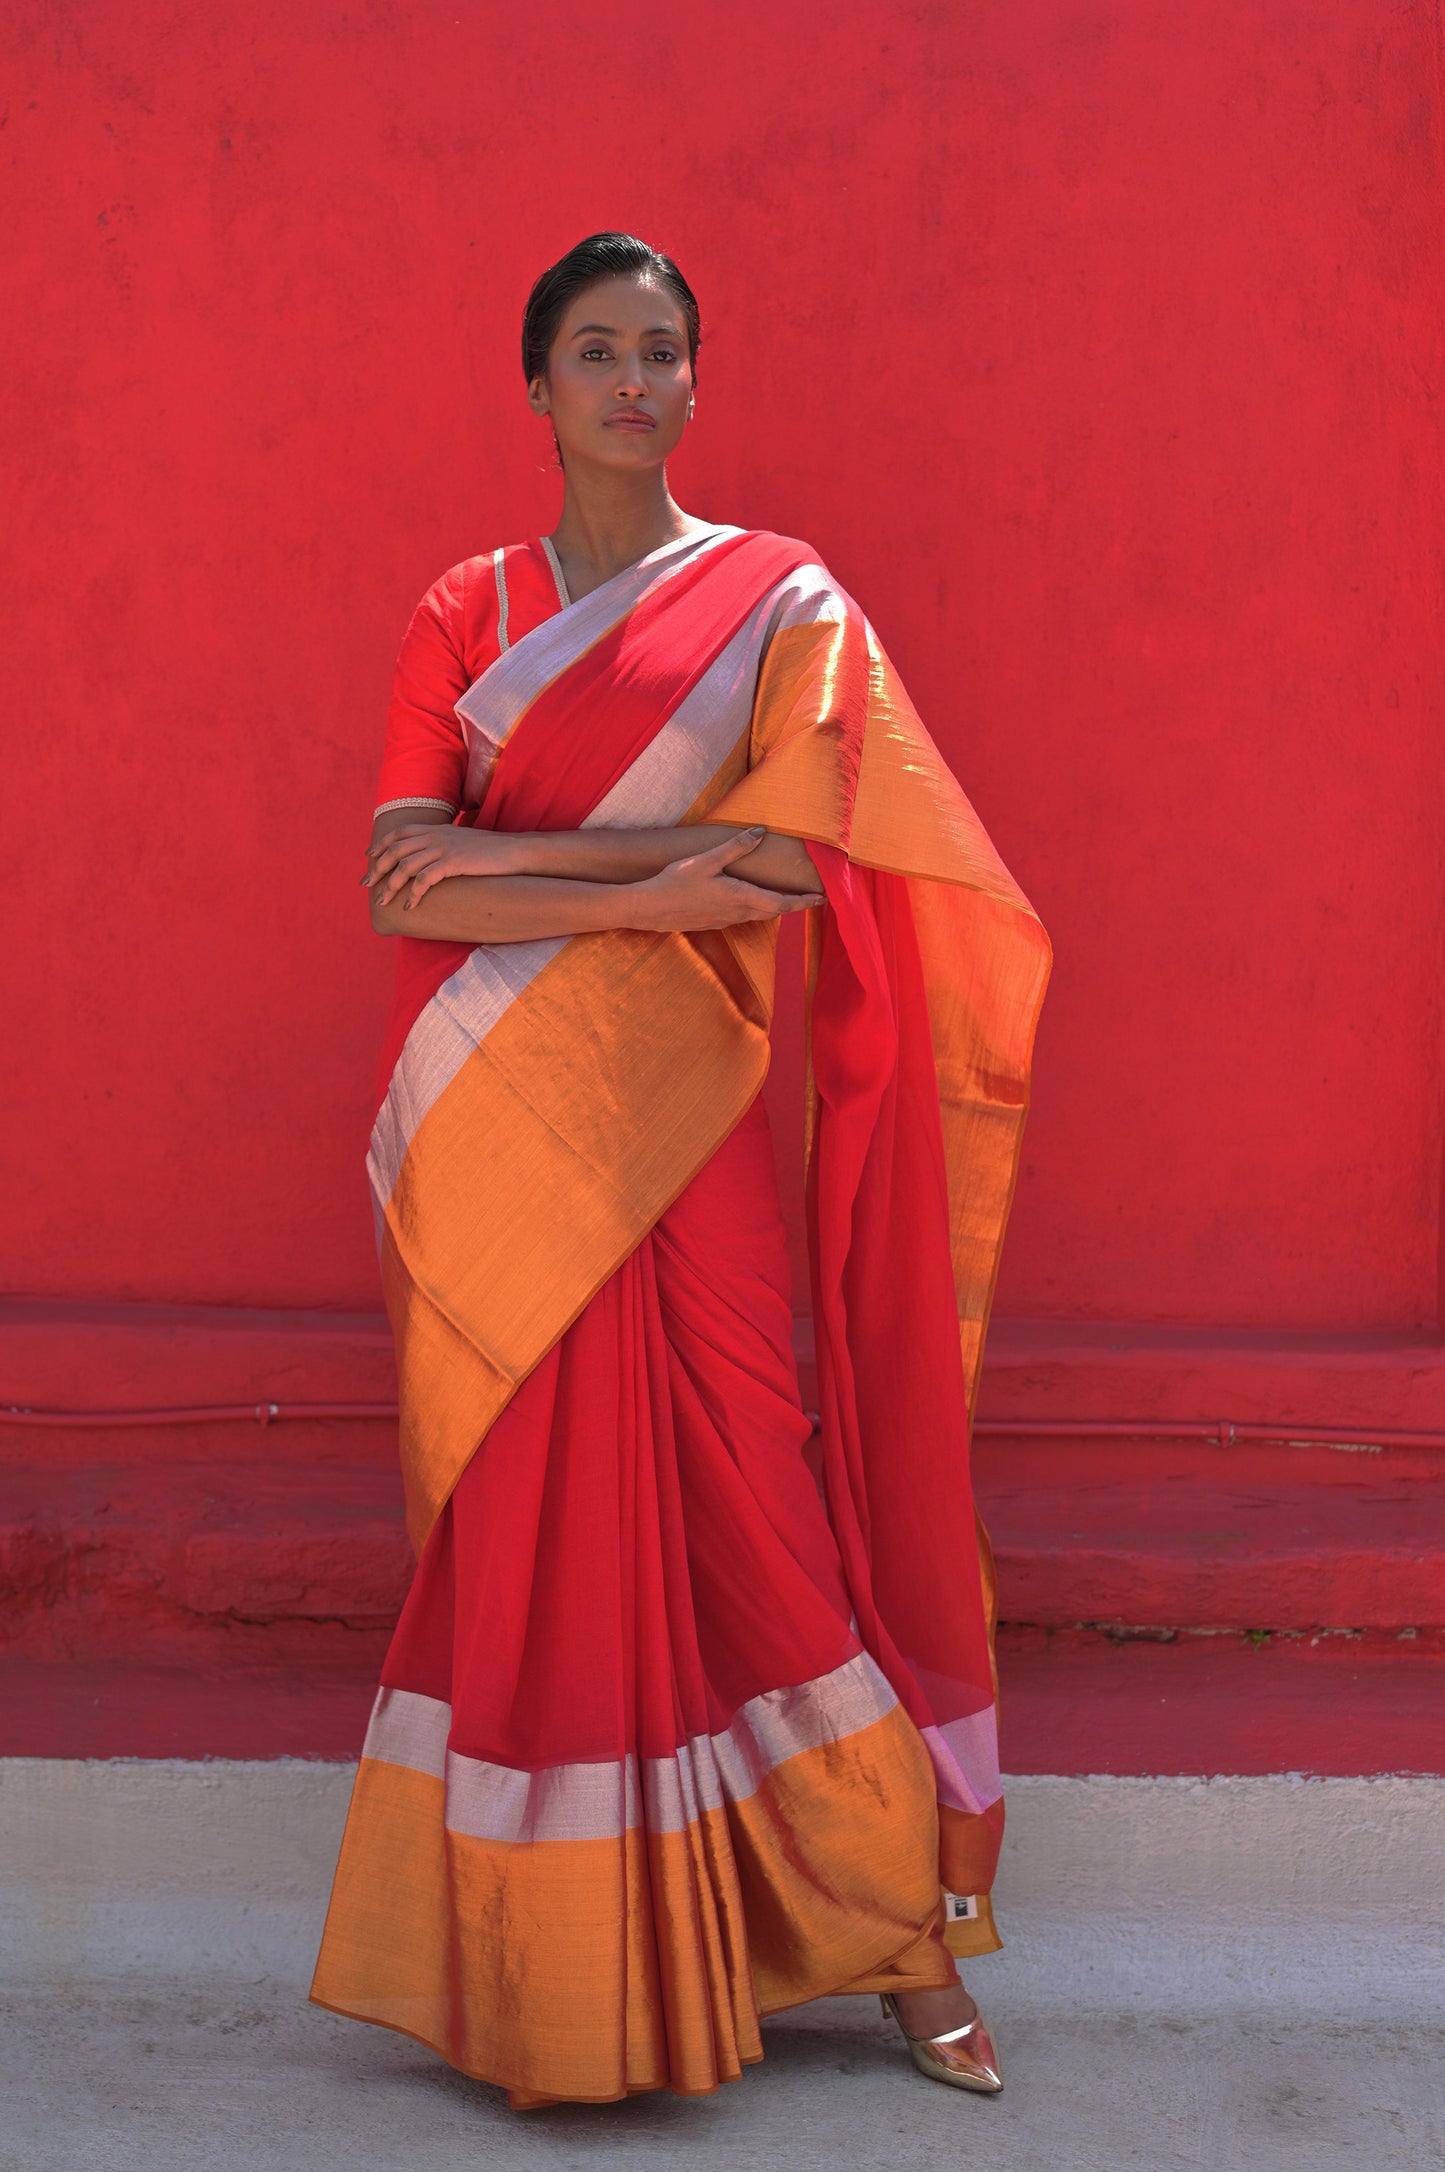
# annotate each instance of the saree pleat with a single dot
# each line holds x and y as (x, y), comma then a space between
(685, 1722)
(582, 1705)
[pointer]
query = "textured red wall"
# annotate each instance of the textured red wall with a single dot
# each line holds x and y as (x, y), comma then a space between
(1094, 345)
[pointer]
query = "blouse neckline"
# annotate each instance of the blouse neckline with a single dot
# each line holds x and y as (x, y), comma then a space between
(550, 551)
(565, 600)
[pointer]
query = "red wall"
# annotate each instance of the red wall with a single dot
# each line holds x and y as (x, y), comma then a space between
(1095, 346)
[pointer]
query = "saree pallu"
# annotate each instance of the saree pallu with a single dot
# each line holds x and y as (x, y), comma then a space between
(672, 1735)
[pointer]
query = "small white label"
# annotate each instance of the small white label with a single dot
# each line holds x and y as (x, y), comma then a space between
(960, 1907)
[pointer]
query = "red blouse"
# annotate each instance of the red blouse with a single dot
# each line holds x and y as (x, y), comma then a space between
(463, 623)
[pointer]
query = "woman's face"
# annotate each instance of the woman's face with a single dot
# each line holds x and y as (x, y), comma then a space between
(619, 383)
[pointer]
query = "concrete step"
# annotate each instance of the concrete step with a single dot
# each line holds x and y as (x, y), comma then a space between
(213, 1586)
(160, 1557)
(157, 1554)
(1189, 1550)
(218, 1703)
(1073, 1701)
(1088, 1701)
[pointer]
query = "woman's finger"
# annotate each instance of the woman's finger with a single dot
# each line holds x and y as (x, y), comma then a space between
(791, 901)
(380, 855)
(407, 868)
(763, 904)
(399, 847)
(731, 848)
(427, 880)
(737, 848)
(384, 855)
(418, 856)
(405, 829)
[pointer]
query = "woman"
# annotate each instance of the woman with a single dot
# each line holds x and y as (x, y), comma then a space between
(671, 1736)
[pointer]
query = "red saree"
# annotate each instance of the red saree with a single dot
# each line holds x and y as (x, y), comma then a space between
(663, 1741)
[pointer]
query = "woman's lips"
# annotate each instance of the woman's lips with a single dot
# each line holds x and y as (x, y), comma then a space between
(630, 421)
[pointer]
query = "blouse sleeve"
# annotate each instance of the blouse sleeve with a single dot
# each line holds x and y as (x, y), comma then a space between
(425, 758)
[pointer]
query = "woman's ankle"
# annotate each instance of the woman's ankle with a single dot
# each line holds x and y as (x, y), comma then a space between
(931, 2012)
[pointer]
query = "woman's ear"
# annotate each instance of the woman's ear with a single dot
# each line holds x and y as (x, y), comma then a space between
(537, 397)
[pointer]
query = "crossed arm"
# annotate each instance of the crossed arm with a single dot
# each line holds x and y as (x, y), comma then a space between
(431, 879)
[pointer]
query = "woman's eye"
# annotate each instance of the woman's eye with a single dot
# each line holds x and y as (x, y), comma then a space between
(594, 354)
(663, 354)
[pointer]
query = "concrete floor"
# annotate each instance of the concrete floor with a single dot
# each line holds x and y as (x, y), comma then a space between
(244, 2077)
(1238, 1975)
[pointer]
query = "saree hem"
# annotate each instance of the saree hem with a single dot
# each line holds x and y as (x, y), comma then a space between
(525, 2100)
(620, 1801)
(871, 1984)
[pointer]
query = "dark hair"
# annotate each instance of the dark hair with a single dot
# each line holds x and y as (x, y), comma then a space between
(600, 256)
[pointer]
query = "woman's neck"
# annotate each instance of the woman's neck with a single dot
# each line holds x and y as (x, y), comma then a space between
(610, 521)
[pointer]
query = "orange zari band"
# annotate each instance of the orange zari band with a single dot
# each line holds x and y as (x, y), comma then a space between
(615, 1801)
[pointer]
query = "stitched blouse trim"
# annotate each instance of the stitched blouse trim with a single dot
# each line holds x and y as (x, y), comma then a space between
(499, 571)
(557, 574)
(388, 806)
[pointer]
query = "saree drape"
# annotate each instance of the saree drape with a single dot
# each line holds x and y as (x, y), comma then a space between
(671, 1735)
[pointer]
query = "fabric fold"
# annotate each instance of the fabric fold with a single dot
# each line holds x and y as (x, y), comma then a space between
(673, 1734)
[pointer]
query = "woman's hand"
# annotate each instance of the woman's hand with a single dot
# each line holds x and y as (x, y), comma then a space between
(426, 853)
(698, 893)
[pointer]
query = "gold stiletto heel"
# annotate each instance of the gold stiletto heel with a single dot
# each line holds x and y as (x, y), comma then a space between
(964, 2058)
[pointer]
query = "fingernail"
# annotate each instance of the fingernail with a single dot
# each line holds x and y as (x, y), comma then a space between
(757, 830)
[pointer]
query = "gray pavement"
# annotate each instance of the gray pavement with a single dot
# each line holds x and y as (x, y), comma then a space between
(1235, 1974)
(184, 2079)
